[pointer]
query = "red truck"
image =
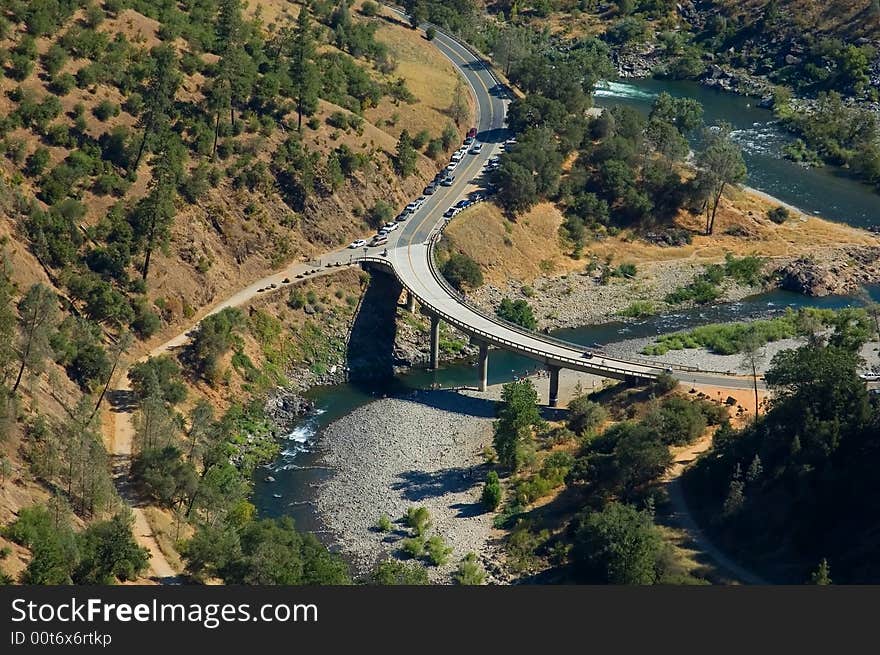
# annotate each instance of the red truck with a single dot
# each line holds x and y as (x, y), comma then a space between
(472, 133)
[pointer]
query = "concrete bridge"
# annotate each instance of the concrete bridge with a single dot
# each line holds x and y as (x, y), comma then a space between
(410, 259)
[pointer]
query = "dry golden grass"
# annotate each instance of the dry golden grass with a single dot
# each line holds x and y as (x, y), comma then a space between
(430, 76)
(531, 245)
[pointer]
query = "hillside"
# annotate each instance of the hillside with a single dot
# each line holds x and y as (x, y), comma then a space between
(154, 164)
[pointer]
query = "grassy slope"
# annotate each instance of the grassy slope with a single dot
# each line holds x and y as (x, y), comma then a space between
(238, 254)
(482, 232)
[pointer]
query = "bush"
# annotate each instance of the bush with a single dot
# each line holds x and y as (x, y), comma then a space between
(430, 33)
(419, 519)
(469, 571)
(383, 524)
(413, 547)
(778, 214)
(392, 572)
(370, 8)
(438, 551)
(518, 312)
(379, 214)
(491, 497)
(664, 383)
(584, 415)
(462, 272)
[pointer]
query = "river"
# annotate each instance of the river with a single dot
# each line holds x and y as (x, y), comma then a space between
(825, 192)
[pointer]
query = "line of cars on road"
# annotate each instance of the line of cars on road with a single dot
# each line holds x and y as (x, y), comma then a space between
(443, 178)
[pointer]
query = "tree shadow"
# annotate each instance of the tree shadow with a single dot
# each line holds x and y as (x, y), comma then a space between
(416, 486)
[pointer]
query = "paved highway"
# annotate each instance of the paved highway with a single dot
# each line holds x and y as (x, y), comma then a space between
(410, 257)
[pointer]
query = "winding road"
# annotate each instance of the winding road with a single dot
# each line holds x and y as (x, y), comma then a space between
(410, 258)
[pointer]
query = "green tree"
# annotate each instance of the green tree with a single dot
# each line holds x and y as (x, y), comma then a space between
(517, 311)
(152, 219)
(407, 156)
(720, 163)
(518, 415)
(491, 496)
(752, 347)
(619, 545)
(822, 575)
(37, 311)
(458, 110)
(216, 334)
(159, 97)
(108, 552)
(584, 415)
(462, 272)
(303, 71)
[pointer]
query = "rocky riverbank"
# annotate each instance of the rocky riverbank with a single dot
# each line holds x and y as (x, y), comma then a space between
(578, 299)
(396, 453)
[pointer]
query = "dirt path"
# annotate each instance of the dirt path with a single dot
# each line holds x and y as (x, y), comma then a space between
(122, 403)
(679, 517)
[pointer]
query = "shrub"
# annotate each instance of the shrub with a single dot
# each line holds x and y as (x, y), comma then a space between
(584, 415)
(518, 312)
(383, 524)
(664, 383)
(438, 551)
(491, 497)
(778, 214)
(379, 214)
(392, 572)
(419, 519)
(430, 33)
(370, 8)
(413, 547)
(469, 571)
(462, 272)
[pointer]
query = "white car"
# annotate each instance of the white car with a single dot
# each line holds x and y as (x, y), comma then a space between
(390, 226)
(457, 156)
(360, 243)
(451, 167)
(476, 149)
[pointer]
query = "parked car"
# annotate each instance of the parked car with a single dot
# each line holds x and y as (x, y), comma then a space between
(431, 188)
(587, 355)
(472, 133)
(449, 213)
(451, 167)
(390, 226)
(461, 204)
(476, 149)
(379, 240)
(457, 156)
(360, 243)
(469, 140)
(448, 180)
(402, 216)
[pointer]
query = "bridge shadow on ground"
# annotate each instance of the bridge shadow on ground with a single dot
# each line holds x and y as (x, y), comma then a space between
(370, 351)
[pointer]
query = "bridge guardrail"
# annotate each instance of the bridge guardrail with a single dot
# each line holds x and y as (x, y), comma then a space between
(489, 67)
(572, 362)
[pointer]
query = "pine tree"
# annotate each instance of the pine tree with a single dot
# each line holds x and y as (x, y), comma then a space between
(302, 67)
(406, 155)
(458, 109)
(159, 99)
(755, 470)
(735, 494)
(822, 575)
(151, 221)
(37, 311)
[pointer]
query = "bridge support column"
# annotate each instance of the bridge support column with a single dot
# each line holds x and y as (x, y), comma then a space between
(484, 365)
(554, 385)
(435, 341)
(410, 302)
